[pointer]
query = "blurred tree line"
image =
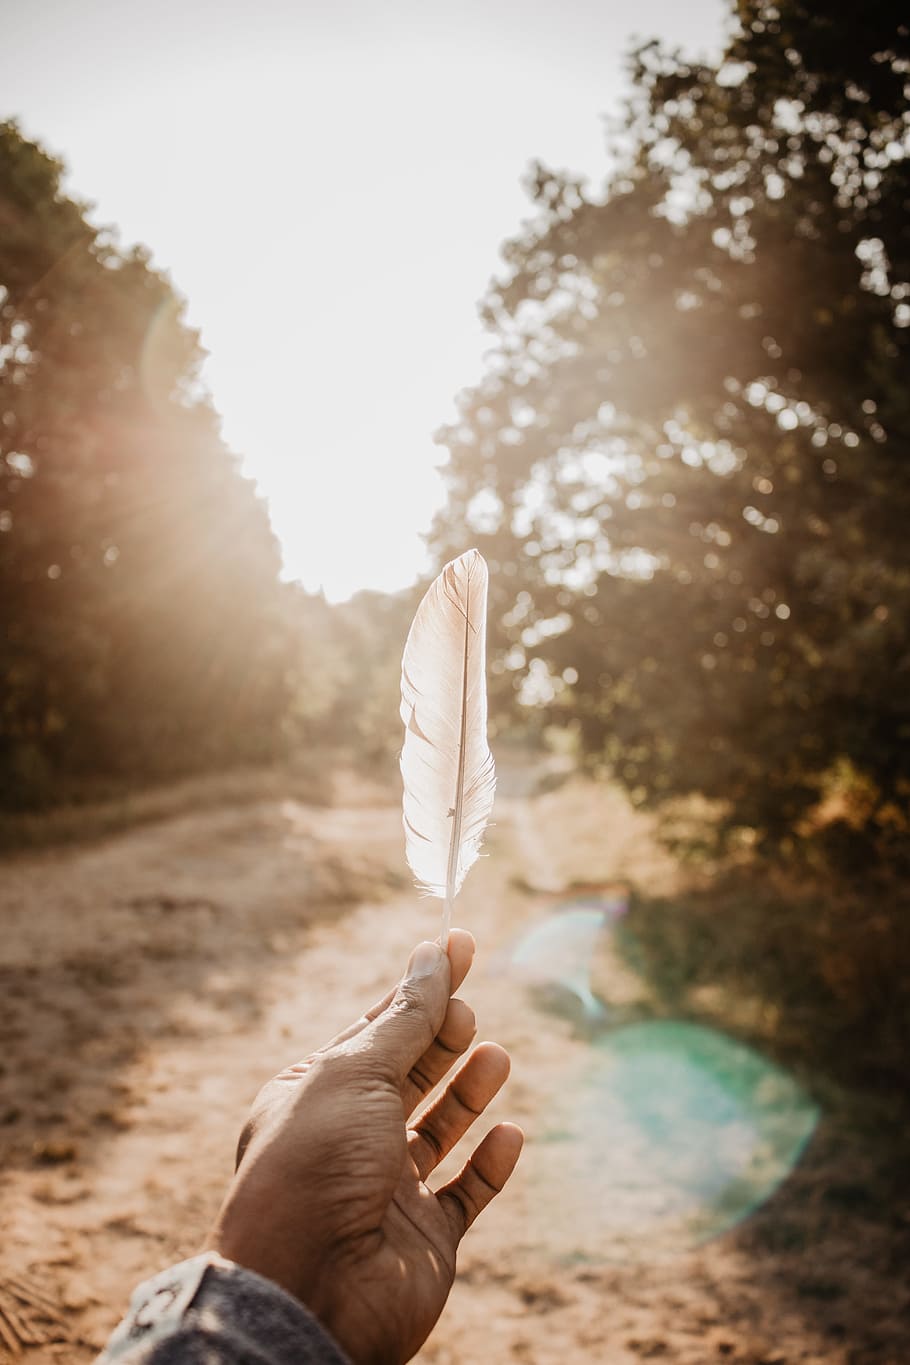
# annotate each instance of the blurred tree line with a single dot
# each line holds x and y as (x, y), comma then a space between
(686, 465)
(688, 460)
(142, 617)
(144, 630)
(348, 691)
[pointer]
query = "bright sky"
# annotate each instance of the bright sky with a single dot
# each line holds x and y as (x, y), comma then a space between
(328, 185)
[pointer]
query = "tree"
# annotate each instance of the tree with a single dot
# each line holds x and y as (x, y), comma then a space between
(688, 462)
(350, 701)
(139, 595)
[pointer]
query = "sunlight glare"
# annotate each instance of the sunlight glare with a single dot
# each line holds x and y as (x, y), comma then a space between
(329, 189)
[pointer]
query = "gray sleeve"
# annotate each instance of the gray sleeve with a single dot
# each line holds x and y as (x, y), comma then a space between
(208, 1311)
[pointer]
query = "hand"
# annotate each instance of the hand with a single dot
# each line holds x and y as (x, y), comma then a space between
(329, 1199)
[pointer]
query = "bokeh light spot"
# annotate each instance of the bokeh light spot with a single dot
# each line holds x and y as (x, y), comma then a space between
(670, 1134)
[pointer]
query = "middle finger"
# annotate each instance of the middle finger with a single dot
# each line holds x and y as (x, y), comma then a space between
(463, 1100)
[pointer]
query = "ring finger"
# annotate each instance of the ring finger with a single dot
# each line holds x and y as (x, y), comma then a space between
(465, 1097)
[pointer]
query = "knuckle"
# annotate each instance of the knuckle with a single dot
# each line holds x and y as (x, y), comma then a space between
(433, 1141)
(410, 1004)
(409, 998)
(420, 1080)
(463, 1203)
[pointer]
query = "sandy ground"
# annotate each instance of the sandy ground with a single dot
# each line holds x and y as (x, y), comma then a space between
(153, 980)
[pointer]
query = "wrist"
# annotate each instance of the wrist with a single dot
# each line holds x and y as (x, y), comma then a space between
(262, 1232)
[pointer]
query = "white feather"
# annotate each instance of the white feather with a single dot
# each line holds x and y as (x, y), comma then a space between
(446, 765)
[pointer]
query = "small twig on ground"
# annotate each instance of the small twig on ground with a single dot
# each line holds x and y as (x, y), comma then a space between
(28, 1317)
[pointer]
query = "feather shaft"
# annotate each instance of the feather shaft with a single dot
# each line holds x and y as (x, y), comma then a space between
(455, 842)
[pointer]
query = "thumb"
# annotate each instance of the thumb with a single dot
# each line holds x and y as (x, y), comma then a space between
(401, 1034)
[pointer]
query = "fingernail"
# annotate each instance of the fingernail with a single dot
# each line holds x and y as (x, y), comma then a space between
(425, 960)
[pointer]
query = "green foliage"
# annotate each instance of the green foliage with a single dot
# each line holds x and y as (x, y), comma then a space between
(813, 974)
(349, 673)
(142, 619)
(688, 463)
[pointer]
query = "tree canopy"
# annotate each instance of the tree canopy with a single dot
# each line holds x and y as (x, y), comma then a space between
(139, 593)
(688, 460)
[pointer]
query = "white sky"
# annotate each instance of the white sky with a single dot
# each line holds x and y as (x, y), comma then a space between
(328, 185)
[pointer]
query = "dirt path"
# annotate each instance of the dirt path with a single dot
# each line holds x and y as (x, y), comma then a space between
(152, 982)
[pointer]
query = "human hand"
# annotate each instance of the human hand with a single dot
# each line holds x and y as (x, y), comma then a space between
(329, 1199)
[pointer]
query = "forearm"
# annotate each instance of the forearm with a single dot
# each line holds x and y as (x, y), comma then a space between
(209, 1310)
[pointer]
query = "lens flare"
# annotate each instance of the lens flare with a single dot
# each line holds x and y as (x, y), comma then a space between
(558, 951)
(669, 1134)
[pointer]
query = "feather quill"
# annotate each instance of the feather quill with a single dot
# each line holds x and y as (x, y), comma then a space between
(446, 766)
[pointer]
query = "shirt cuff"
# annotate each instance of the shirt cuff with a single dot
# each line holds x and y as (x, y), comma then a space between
(225, 1313)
